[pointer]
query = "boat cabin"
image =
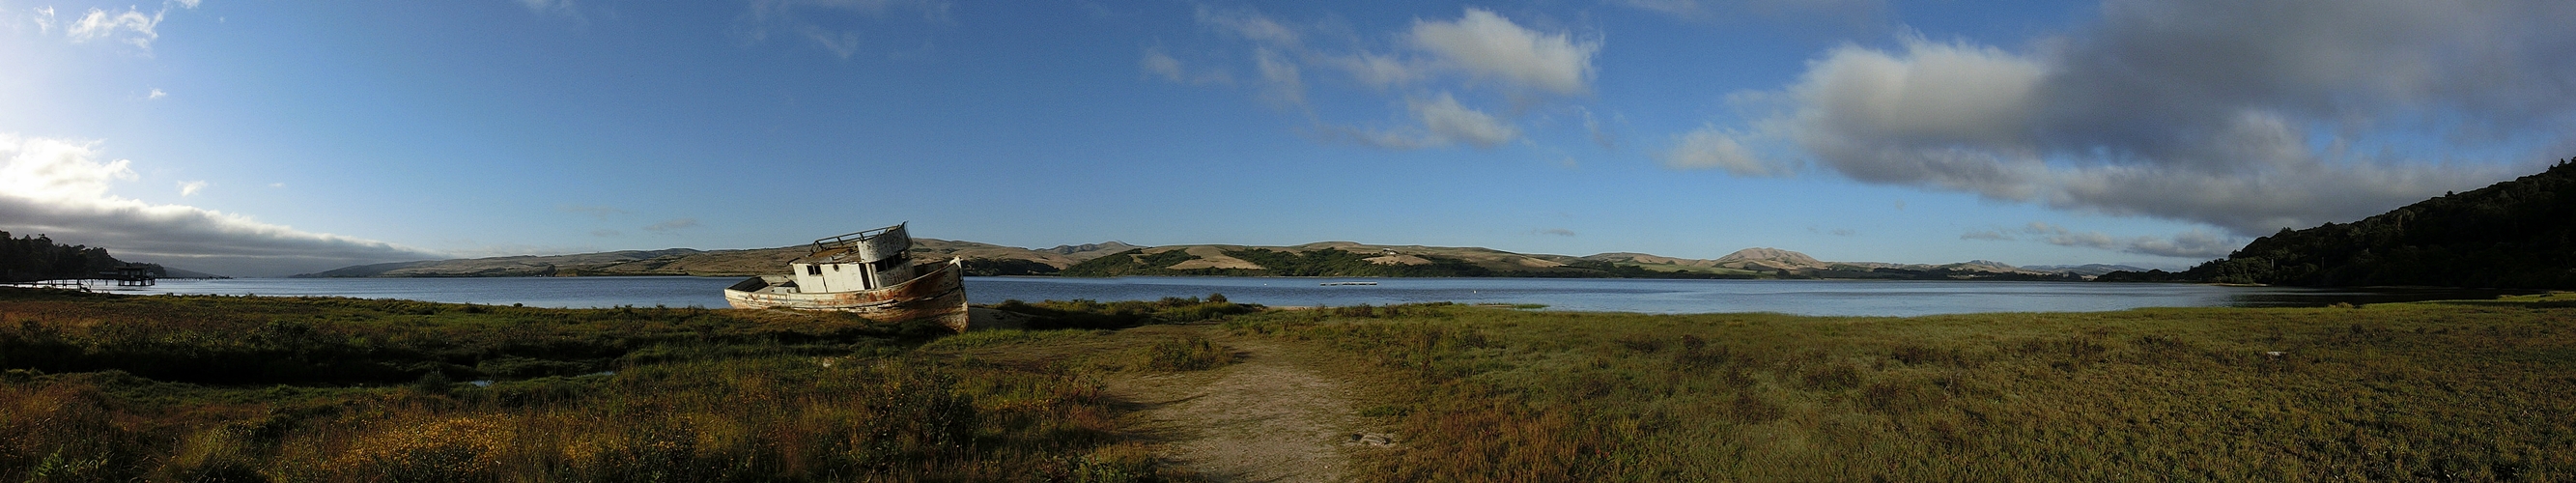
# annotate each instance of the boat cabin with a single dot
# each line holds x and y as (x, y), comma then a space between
(866, 260)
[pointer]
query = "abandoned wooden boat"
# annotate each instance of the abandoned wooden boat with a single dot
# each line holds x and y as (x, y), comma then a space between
(867, 273)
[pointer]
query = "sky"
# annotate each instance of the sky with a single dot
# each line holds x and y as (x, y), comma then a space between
(274, 138)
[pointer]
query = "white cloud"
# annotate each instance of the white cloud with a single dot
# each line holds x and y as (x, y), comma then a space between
(2249, 116)
(1990, 235)
(1555, 231)
(2190, 244)
(1424, 66)
(1286, 86)
(672, 225)
(1770, 11)
(156, 93)
(1711, 147)
(1386, 139)
(1158, 63)
(44, 20)
(1601, 134)
(1381, 71)
(1488, 45)
(131, 27)
(552, 7)
(840, 43)
(1248, 24)
(828, 23)
(1449, 121)
(61, 188)
(190, 188)
(1440, 121)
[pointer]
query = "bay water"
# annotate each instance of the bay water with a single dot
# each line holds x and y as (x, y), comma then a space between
(1802, 297)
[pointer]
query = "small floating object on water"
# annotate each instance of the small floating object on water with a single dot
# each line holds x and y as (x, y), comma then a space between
(1329, 284)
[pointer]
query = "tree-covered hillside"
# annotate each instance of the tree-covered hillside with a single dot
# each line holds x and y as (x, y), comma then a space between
(2514, 234)
(26, 258)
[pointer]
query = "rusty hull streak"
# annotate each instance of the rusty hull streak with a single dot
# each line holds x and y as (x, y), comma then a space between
(940, 295)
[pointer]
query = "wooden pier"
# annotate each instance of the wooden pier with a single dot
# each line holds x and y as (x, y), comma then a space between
(122, 276)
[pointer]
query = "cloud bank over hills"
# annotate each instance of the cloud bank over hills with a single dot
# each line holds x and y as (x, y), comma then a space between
(2248, 116)
(61, 188)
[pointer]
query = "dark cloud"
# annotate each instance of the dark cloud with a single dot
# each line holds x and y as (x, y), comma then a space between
(2190, 244)
(2249, 116)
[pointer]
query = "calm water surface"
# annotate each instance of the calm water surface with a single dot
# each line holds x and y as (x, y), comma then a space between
(1804, 297)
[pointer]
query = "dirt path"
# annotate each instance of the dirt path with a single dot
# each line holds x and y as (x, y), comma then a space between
(1271, 416)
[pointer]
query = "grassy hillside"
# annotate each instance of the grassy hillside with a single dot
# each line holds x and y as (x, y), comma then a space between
(1346, 259)
(1321, 259)
(2514, 234)
(981, 259)
(1337, 259)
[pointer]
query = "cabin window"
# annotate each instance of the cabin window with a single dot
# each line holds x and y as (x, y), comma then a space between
(813, 269)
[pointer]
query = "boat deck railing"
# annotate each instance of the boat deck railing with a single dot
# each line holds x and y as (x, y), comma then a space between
(827, 243)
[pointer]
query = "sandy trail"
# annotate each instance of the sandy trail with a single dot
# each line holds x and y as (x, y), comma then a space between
(1272, 416)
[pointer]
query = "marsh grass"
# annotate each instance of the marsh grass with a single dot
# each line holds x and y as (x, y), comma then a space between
(2385, 392)
(1091, 314)
(321, 389)
(1192, 353)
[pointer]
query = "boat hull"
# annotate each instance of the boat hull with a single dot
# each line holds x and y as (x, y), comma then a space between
(939, 295)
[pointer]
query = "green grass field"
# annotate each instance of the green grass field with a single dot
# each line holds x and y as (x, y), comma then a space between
(2463, 391)
(162, 388)
(114, 388)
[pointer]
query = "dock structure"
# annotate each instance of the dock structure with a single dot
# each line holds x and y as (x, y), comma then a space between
(128, 275)
(132, 275)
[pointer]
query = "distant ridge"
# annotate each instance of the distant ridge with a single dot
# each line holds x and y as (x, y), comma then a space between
(1333, 258)
(1089, 251)
(1770, 259)
(982, 259)
(2085, 269)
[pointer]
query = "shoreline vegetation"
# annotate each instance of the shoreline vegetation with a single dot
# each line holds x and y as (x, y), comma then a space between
(103, 387)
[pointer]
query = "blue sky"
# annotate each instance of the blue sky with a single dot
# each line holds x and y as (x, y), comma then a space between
(268, 138)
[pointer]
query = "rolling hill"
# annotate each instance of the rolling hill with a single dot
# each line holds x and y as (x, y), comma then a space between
(1320, 259)
(982, 259)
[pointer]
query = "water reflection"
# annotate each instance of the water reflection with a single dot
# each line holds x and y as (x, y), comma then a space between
(2278, 297)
